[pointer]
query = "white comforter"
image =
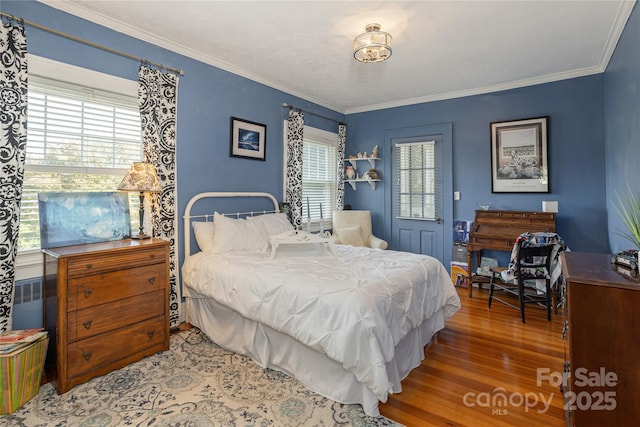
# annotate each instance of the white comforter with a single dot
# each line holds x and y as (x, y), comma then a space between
(354, 307)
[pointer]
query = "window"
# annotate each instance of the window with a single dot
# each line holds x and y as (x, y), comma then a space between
(319, 177)
(416, 181)
(79, 138)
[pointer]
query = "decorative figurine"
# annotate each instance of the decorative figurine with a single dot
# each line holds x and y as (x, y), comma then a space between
(372, 174)
(350, 172)
(374, 152)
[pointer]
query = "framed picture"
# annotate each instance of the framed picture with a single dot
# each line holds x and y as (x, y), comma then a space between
(248, 139)
(519, 156)
(462, 281)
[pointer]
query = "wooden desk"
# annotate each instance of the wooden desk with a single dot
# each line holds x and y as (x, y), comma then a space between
(498, 230)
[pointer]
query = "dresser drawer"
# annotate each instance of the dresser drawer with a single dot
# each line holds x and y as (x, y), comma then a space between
(116, 260)
(106, 317)
(95, 352)
(89, 291)
(494, 242)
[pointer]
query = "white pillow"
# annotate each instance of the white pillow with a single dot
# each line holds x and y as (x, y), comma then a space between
(350, 236)
(232, 235)
(204, 235)
(271, 224)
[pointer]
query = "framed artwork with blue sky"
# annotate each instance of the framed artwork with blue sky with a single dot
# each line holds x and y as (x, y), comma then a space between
(248, 139)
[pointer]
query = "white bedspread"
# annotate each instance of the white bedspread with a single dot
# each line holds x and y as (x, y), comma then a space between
(354, 307)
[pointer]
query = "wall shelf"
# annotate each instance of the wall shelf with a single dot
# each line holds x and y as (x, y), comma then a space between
(372, 161)
(352, 182)
(353, 162)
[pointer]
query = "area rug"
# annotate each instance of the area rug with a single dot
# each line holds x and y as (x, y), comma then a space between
(195, 383)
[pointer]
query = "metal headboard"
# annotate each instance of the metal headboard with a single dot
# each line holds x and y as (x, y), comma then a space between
(218, 194)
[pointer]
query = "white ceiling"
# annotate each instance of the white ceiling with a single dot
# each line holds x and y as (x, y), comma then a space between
(441, 49)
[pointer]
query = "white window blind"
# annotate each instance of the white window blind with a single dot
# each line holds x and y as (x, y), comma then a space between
(416, 181)
(319, 183)
(319, 177)
(78, 139)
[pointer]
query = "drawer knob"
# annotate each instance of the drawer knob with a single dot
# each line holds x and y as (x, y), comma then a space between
(87, 324)
(153, 256)
(89, 266)
(151, 333)
(88, 292)
(152, 279)
(86, 355)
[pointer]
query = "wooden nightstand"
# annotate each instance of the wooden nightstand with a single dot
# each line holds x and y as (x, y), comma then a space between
(106, 305)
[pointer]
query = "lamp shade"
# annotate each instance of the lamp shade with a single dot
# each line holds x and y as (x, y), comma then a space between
(141, 177)
(373, 45)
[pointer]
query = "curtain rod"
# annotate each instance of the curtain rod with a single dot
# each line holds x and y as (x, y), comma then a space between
(293, 107)
(88, 43)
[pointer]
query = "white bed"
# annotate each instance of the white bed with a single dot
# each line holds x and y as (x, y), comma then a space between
(349, 327)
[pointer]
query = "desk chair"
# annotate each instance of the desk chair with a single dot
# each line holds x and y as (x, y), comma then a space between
(533, 270)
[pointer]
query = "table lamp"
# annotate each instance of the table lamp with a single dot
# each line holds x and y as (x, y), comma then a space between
(141, 177)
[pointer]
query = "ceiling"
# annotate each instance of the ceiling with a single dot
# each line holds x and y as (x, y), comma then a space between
(441, 49)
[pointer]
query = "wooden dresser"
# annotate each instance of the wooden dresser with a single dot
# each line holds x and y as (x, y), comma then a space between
(498, 230)
(603, 337)
(106, 305)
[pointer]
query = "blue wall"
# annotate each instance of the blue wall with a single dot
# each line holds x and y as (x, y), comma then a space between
(622, 124)
(207, 98)
(576, 153)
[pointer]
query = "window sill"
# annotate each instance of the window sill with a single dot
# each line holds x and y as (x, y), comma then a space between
(29, 264)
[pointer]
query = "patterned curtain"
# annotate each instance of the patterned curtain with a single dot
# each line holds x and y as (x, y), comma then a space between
(13, 142)
(293, 186)
(342, 139)
(157, 96)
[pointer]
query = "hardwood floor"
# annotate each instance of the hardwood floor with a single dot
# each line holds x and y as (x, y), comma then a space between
(481, 355)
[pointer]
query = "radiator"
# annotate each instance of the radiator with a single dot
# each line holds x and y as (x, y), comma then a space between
(27, 304)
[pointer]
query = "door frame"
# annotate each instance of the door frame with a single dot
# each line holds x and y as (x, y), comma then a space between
(446, 130)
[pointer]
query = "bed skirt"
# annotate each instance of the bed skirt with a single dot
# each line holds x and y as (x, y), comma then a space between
(317, 372)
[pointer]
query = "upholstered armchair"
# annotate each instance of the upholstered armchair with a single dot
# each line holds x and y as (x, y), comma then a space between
(354, 228)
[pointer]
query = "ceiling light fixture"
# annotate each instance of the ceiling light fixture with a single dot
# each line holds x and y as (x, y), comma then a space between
(373, 45)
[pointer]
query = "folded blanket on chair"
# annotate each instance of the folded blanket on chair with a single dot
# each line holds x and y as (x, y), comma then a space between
(539, 274)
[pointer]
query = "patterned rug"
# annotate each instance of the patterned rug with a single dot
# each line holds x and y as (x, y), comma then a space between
(195, 383)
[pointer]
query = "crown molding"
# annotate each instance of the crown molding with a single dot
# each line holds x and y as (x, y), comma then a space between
(549, 78)
(623, 14)
(624, 11)
(121, 27)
